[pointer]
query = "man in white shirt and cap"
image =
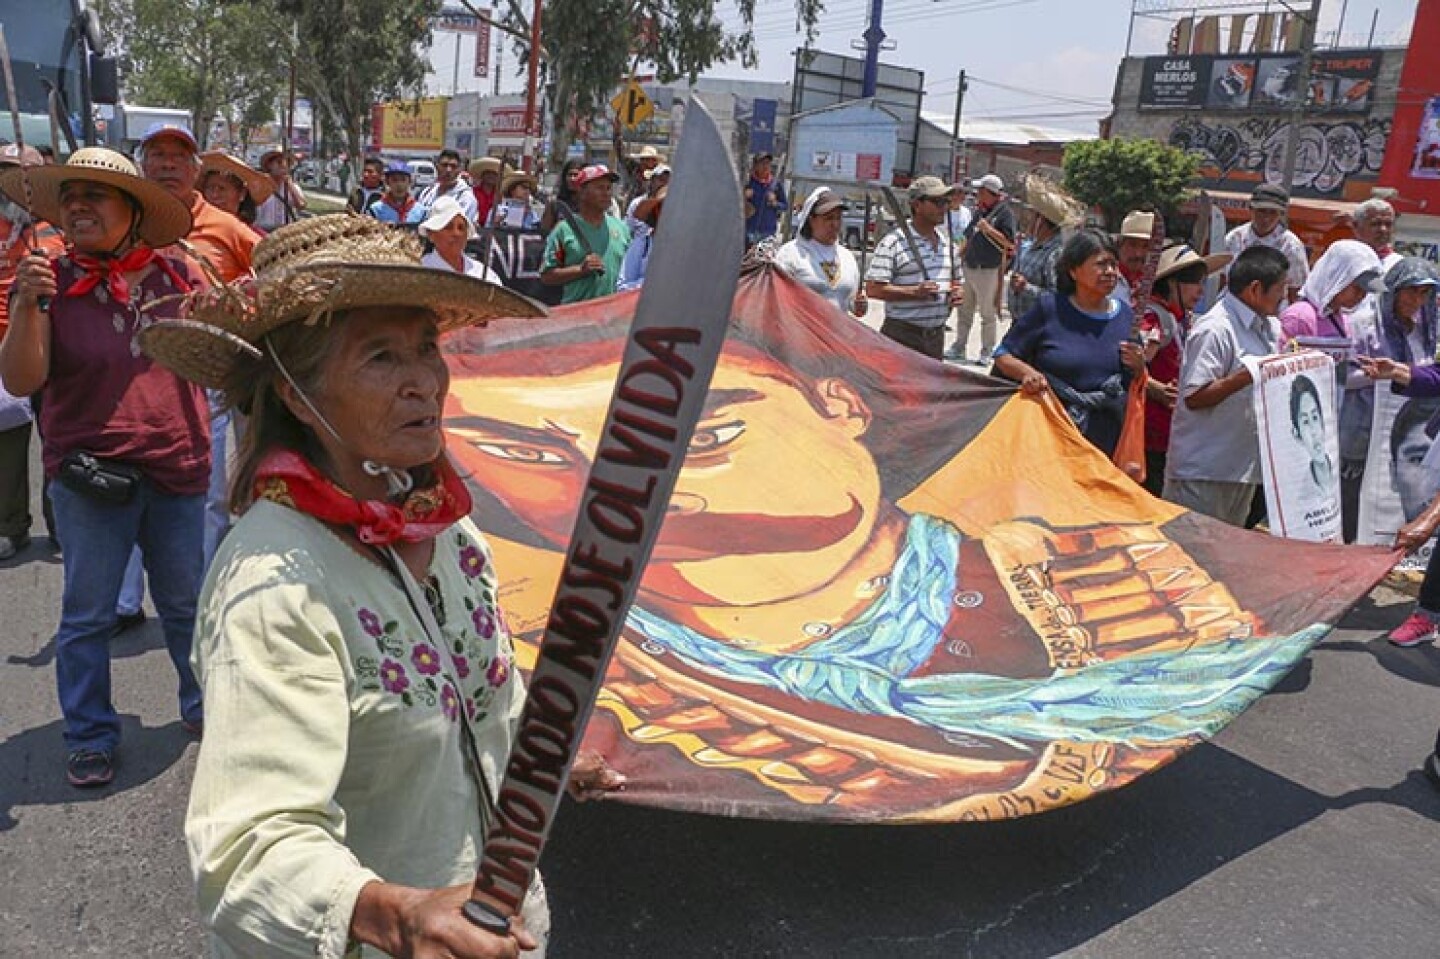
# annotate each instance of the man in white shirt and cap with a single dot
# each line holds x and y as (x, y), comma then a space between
(1268, 206)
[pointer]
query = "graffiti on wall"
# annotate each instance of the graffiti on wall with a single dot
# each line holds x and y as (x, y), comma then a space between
(1326, 154)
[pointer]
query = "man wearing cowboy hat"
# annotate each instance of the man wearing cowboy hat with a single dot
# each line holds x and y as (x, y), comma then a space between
(656, 179)
(1034, 273)
(448, 183)
(169, 156)
(1132, 247)
(485, 190)
(285, 206)
(587, 263)
(1268, 206)
(989, 244)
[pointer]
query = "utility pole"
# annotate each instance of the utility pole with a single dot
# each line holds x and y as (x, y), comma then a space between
(874, 36)
(955, 134)
(532, 91)
(1297, 114)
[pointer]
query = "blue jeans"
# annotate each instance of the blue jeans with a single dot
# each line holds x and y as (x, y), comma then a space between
(99, 538)
(217, 510)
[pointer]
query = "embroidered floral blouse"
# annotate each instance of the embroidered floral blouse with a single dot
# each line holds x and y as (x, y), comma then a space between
(334, 752)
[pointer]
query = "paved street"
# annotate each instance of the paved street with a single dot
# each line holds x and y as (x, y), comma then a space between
(1304, 831)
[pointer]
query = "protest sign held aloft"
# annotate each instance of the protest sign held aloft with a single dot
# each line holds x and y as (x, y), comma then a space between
(1295, 412)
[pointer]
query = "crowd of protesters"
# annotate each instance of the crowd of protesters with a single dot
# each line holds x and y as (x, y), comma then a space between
(138, 459)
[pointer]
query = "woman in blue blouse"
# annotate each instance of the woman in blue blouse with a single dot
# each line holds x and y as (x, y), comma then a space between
(1077, 341)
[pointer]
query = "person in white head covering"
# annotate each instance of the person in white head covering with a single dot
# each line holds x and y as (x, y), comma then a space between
(1337, 284)
(817, 258)
(448, 229)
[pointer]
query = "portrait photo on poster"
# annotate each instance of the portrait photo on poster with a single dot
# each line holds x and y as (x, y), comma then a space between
(1295, 413)
(1402, 474)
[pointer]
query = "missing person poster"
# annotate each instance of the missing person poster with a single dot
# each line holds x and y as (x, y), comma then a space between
(1341, 351)
(1400, 471)
(1295, 412)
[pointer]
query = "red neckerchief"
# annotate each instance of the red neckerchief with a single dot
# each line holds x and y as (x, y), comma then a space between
(403, 211)
(1384, 251)
(287, 478)
(111, 271)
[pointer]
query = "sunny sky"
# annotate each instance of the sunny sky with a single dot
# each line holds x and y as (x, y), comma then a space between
(1051, 62)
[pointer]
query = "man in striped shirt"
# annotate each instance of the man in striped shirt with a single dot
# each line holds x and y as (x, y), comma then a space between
(910, 272)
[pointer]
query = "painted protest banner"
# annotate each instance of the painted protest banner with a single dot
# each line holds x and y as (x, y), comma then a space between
(887, 590)
(1400, 470)
(1295, 414)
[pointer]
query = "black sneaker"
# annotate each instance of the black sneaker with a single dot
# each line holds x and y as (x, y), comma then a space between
(124, 622)
(87, 768)
(1432, 769)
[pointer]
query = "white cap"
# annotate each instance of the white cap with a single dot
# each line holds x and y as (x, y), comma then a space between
(989, 182)
(445, 210)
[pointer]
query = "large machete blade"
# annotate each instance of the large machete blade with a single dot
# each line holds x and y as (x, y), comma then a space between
(670, 355)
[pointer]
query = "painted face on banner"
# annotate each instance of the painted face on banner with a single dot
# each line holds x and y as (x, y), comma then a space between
(742, 529)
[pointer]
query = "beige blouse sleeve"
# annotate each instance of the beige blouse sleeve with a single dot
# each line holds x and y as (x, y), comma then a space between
(265, 834)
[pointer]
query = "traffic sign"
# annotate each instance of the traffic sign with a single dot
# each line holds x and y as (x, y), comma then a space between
(632, 106)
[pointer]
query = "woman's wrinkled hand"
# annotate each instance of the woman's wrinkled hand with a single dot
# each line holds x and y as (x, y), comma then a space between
(592, 777)
(431, 926)
(1384, 368)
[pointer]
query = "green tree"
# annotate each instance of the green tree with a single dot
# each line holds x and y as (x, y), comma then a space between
(1120, 175)
(590, 46)
(209, 57)
(351, 54)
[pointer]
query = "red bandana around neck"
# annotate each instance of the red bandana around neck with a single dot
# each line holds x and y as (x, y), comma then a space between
(287, 478)
(111, 271)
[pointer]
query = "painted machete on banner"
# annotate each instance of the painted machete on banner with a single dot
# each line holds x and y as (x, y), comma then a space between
(887, 589)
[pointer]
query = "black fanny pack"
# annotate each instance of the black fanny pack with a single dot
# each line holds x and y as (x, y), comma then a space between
(104, 480)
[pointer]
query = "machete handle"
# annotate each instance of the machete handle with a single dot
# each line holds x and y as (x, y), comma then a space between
(43, 301)
(486, 917)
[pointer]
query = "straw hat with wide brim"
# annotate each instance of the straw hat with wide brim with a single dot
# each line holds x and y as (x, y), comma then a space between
(481, 165)
(1052, 202)
(515, 178)
(257, 184)
(313, 268)
(1174, 259)
(163, 219)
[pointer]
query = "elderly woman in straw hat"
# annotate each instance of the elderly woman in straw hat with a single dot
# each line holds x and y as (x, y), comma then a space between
(127, 440)
(1164, 324)
(234, 186)
(359, 681)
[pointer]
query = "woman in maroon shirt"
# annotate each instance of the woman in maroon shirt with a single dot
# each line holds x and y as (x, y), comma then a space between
(128, 440)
